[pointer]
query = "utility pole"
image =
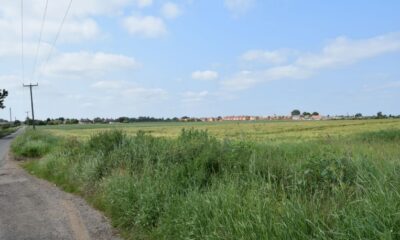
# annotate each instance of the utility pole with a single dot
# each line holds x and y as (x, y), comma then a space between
(27, 118)
(33, 113)
(10, 116)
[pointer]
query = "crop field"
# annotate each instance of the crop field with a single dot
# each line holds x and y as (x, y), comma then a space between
(235, 180)
(254, 131)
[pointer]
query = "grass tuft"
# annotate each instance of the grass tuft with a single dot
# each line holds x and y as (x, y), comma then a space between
(33, 144)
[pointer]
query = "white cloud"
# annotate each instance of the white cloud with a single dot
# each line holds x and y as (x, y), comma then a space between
(87, 105)
(345, 51)
(144, 3)
(288, 71)
(130, 90)
(270, 57)
(205, 75)
(340, 52)
(109, 84)
(385, 86)
(79, 24)
(170, 10)
(84, 64)
(148, 26)
(247, 79)
(10, 82)
(190, 96)
(241, 81)
(238, 7)
(145, 93)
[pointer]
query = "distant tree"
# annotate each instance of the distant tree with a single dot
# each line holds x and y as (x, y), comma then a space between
(296, 112)
(3, 95)
(306, 114)
(358, 115)
(98, 120)
(123, 119)
(40, 122)
(315, 113)
(379, 115)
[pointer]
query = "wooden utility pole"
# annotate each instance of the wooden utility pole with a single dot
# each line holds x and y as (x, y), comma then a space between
(26, 122)
(33, 113)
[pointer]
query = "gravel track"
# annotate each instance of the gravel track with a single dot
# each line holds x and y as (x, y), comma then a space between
(31, 208)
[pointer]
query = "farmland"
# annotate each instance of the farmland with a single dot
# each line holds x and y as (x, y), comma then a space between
(251, 130)
(230, 180)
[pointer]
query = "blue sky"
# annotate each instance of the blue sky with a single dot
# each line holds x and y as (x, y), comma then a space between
(202, 58)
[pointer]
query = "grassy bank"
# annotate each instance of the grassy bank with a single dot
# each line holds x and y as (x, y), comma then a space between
(196, 186)
(34, 144)
(7, 131)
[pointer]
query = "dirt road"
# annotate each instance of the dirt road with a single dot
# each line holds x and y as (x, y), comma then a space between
(31, 208)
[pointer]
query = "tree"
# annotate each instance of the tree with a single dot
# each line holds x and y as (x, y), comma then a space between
(358, 115)
(315, 113)
(379, 115)
(306, 114)
(296, 112)
(3, 95)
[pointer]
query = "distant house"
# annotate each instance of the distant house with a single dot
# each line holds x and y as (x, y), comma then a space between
(316, 117)
(296, 117)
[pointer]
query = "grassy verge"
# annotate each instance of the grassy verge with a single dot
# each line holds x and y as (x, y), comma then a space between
(7, 131)
(34, 144)
(197, 187)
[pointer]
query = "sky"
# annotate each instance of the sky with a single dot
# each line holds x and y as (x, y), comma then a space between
(200, 57)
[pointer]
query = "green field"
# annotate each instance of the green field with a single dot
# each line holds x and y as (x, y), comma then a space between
(237, 180)
(258, 131)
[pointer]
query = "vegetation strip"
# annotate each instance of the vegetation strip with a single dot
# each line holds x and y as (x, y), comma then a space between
(198, 187)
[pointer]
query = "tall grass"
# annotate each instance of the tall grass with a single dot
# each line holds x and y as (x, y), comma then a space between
(33, 144)
(7, 130)
(198, 187)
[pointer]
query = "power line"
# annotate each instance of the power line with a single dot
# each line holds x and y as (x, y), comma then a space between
(40, 38)
(59, 31)
(22, 42)
(58, 34)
